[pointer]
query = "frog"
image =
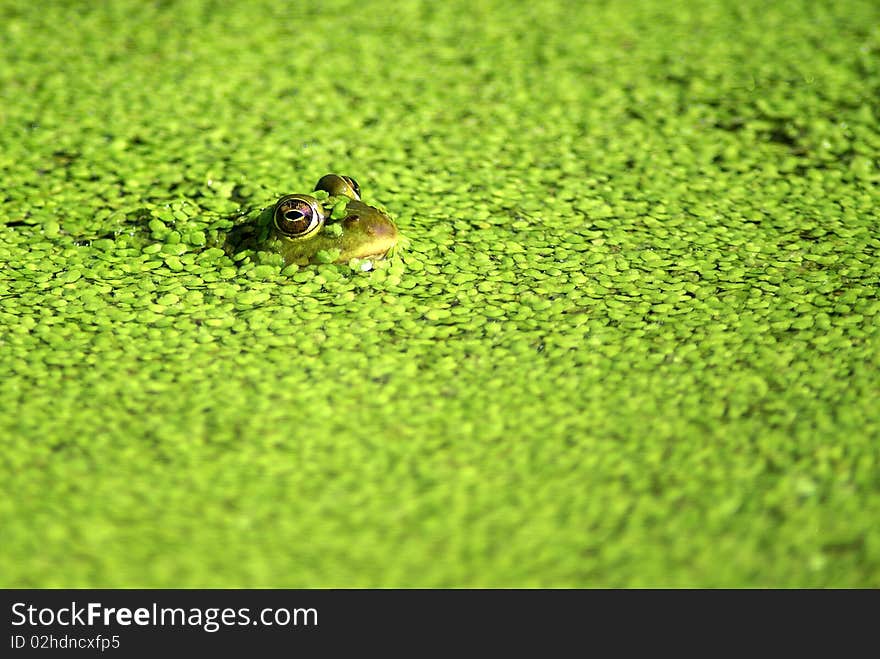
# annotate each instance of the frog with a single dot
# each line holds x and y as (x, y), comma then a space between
(330, 225)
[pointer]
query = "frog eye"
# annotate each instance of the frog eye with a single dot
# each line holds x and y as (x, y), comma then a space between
(334, 184)
(354, 186)
(298, 216)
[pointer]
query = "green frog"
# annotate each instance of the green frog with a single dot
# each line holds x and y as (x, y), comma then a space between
(330, 225)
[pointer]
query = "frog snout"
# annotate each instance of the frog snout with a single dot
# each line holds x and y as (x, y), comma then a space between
(383, 229)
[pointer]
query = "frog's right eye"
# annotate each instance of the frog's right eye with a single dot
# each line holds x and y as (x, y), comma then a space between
(298, 216)
(335, 185)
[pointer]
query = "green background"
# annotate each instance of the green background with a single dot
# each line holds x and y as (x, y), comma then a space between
(633, 340)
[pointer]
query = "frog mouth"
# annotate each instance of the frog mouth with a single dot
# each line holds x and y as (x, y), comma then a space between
(380, 247)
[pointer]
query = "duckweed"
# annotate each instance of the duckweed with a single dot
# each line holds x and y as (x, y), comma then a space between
(633, 338)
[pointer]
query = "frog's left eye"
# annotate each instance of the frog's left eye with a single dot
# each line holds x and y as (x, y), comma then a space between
(298, 216)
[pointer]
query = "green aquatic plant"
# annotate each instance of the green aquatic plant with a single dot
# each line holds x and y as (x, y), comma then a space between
(633, 339)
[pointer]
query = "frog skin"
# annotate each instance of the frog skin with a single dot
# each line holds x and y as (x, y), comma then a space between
(331, 225)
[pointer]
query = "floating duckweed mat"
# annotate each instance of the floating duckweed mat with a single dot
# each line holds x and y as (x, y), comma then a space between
(633, 339)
